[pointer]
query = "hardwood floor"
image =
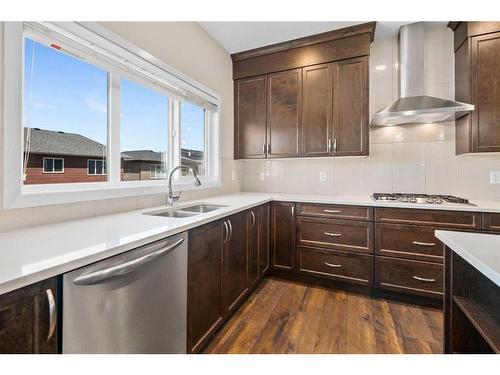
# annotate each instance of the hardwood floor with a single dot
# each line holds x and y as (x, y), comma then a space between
(287, 317)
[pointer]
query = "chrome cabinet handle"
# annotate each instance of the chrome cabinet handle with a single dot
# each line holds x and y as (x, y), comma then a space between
(333, 234)
(52, 313)
(332, 211)
(230, 230)
(253, 219)
(424, 243)
(226, 234)
(333, 265)
(424, 279)
(335, 145)
(293, 209)
(125, 267)
(329, 146)
(264, 148)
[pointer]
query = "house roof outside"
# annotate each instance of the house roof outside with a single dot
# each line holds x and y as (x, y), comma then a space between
(52, 142)
(61, 143)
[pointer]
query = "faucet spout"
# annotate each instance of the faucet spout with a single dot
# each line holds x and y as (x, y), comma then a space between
(170, 193)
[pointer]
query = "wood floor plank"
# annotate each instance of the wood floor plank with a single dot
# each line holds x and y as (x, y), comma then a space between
(304, 328)
(289, 317)
(386, 337)
(360, 330)
(332, 333)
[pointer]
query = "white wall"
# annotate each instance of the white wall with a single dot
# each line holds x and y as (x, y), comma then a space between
(186, 47)
(415, 158)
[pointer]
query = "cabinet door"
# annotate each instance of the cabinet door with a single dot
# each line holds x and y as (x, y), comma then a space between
(283, 235)
(263, 239)
(205, 283)
(28, 319)
(350, 107)
(284, 113)
(253, 244)
(250, 117)
(236, 261)
(317, 111)
(485, 58)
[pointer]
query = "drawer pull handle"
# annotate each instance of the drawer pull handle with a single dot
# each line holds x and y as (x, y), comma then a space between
(333, 234)
(333, 265)
(424, 279)
(424, 243)
(333, 211)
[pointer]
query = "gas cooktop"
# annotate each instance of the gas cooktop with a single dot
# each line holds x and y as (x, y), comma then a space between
(421, 198)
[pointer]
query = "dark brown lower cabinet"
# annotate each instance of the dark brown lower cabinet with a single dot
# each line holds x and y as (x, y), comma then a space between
(336, 265)
(205, 282)
(253, 244)
(283, 235)
(409, 276)
(263, 222)
(236, 262)
(28, 319)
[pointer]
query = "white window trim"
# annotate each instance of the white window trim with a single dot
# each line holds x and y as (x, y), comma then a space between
(17, 195)
(96, 174)
(52, 172)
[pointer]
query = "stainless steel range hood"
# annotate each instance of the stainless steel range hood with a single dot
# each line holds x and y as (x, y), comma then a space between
(414, 107)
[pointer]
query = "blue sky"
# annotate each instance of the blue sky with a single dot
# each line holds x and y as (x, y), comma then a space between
(67, 94)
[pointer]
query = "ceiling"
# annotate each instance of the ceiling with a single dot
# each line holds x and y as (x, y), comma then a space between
(242, 36)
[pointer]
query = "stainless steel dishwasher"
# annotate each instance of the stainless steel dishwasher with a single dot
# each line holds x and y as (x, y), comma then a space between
(135, 302)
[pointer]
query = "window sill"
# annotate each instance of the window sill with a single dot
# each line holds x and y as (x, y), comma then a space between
(50, 194)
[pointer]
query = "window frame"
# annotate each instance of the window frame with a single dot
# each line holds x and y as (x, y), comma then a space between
(53, 164)
(17, 194)
(104, 169)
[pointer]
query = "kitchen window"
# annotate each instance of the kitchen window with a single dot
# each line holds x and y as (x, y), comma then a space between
(158, 172)
(96, 167)
(53, 165)
(121, 118)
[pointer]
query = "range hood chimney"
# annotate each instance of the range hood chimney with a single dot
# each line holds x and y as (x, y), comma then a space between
(413, 107)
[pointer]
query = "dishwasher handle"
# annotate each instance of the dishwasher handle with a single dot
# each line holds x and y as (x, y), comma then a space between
(124, 268)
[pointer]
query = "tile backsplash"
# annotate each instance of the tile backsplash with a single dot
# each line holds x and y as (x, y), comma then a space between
(409, 158)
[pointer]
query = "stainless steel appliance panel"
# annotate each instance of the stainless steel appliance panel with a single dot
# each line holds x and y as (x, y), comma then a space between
(134, 302)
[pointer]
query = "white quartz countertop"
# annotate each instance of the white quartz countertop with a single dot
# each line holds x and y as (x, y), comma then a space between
(34, 254)
(482, 251)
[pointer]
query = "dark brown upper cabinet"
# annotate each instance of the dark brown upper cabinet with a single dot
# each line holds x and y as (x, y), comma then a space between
(317, 126)
(309, 94)
(28, 319)
(350, 107)
(477, 81)
(250, 117)
(284, 107)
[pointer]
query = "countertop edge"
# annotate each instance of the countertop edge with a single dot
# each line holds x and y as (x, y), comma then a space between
(459, 249)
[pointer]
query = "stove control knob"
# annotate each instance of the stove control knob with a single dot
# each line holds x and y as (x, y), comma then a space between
(438, 201)
(430, 200)
(413, 200)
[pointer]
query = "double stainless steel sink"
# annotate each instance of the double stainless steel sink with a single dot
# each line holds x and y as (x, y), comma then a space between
(188, 211)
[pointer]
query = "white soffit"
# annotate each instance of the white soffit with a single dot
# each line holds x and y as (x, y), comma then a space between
(241, 36)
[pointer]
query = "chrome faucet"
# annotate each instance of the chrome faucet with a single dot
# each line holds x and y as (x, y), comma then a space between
(170, 193)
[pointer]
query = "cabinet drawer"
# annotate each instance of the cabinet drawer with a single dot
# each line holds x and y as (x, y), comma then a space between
(337, 265)
(437, 218)
(335, 211)
(335, 234)
(491, 222)
(409, 276)
(408, 241)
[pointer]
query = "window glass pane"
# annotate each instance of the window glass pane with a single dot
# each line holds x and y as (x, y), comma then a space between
(98, 167)
(193, 137)
(91, 167)
(48, 165)
(143, 132)
(64, 114)
(58, 165)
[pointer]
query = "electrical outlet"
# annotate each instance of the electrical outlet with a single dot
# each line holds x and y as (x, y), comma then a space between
(322, 176)
(233, 175)
(494, 177)
(262, 176)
